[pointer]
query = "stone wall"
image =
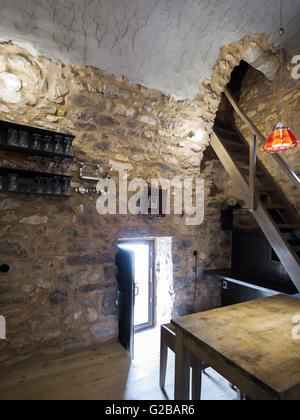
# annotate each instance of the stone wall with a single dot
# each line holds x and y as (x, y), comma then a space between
(260, 99)
(61, 290)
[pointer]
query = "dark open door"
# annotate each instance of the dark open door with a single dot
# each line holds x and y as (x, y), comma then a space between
(125, 276)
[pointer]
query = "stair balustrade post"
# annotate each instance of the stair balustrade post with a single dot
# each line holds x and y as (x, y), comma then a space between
(252, 175)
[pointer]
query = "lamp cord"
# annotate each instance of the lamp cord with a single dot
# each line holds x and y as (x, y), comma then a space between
(281, 62)
(196, 277)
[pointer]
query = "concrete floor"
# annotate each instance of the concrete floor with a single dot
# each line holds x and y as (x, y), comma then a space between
(146, 367)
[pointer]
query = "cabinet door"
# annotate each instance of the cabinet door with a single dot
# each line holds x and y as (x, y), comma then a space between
(233, 293)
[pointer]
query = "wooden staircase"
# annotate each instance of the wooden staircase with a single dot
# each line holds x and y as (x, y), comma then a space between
(274, 214)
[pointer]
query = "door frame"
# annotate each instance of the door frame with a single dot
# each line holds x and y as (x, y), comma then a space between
(151, 282)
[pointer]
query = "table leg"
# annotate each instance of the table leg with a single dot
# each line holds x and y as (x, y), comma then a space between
(163, 361)
(197, 366)
(182, 369)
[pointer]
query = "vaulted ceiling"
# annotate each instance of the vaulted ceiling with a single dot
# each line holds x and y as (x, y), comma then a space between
(170, 45)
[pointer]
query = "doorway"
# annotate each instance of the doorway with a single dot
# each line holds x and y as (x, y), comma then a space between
(145, 293)
(143, 254)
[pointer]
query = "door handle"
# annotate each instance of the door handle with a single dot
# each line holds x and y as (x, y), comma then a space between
(136, 290)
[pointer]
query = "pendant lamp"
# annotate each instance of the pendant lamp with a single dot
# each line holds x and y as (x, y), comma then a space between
(282, 138)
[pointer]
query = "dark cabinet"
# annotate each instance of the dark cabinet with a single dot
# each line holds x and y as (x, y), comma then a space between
(233, 293)
(253, 254)
(256, 272)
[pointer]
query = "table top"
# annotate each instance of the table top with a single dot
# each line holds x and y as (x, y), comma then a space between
(256, 337)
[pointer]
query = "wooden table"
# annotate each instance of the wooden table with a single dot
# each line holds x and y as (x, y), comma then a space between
(250, 344)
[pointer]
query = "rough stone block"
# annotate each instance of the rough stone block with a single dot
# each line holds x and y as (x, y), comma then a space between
(58, 297)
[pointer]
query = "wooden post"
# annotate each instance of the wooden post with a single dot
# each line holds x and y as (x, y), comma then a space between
(252, 175)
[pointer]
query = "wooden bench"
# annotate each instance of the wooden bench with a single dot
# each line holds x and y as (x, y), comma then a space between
(168, 337)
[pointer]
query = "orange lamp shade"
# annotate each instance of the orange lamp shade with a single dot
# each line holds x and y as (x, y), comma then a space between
(280, 140)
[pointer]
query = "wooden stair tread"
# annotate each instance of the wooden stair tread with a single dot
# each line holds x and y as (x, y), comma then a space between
(289, 226)
(265, 190)
(226, 131)
(246, 169)
(242, 158)
(233, 143)
(275, 206)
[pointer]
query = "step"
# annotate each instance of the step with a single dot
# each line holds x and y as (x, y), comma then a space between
(226, 132)
(292, 238)
(289, 227)
(245, 169)
(233, 143)
(275, 206)
(222, 124)
(239, 157)
(266, 190)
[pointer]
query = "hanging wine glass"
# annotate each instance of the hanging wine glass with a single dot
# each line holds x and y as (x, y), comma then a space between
(37, 142)
(44, 184)
(13, 138)
(1, 183)
(13, 182)
(58, 146)
(48, 144)
(66, 187)
(57, 187)
(24, 139)
(48, 186)
(39, 185)
(28, 187)
(69, 149)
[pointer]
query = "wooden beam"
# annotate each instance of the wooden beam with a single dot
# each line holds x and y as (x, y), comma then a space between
(281, 162)
(280, 245)
(231, 168)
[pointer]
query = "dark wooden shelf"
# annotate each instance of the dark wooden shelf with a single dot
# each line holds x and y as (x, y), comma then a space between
(38, 183)
(46, 137)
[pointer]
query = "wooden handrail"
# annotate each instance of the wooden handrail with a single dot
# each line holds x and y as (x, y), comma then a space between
(281, 162)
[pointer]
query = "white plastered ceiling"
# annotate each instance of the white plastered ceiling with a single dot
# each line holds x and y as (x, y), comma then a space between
(170, 45)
